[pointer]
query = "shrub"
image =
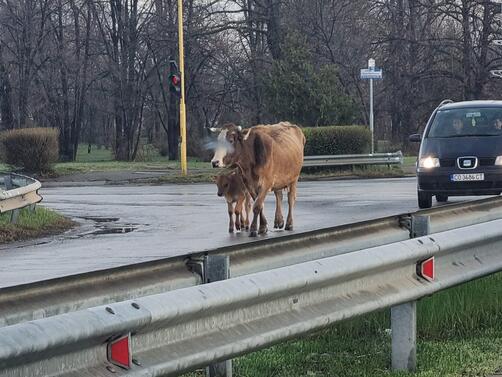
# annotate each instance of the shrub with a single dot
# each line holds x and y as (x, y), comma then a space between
(33, 149)
(337, 140)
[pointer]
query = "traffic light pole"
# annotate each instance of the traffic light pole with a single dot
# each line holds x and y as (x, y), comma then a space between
(183, 131)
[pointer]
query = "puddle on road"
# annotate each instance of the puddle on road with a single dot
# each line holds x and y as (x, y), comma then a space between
(100, 219)
(107, 225)
(115, 230)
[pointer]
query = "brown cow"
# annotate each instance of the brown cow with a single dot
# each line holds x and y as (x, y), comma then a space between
(238, 199)
(270, 158)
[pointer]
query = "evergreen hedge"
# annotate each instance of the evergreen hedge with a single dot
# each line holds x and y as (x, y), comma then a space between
(337, 140)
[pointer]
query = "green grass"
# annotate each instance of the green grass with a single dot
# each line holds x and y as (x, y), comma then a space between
(32, 224)
(96, 155)
(199, 171)
(459, 331)
(103, 160)
(409, 160)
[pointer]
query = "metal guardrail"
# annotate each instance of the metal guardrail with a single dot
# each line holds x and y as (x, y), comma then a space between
(71, 293)
(20, 191)
(178, 331)
(354, 159)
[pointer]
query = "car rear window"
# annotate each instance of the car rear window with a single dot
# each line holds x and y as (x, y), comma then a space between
(485, 121)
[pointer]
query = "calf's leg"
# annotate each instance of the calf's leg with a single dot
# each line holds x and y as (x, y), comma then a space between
(231, 217)
(238, 213)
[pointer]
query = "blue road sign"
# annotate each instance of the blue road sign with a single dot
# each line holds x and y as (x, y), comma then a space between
(375, 74)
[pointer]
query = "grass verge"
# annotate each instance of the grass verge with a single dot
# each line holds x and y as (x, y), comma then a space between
(207, 175)
(41, 222)
(199, 171)
(460, 335)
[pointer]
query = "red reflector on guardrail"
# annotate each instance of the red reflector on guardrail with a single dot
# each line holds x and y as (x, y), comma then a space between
(119, 352)
(426, 270)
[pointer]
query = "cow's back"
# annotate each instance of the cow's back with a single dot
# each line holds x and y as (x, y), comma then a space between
(287, 144)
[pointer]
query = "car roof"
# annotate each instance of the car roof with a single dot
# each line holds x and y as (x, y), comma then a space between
(466, 104)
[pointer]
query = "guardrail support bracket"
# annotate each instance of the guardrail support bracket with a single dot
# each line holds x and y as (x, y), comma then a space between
(14, 216)
(404, 335)
(420, 226)
(216, 268)
(404, 317)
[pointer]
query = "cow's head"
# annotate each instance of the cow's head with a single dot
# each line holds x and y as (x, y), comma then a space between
(228, 145)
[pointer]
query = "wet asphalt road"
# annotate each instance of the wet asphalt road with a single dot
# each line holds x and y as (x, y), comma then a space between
(129, 224)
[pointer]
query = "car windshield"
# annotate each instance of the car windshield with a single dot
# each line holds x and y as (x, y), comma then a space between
(467, 122)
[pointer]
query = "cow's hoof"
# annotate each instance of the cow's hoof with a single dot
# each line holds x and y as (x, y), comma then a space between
(253, 233)
(230, 231)
(247, 227)
(289, 227)
(279, 225)
(263, 230)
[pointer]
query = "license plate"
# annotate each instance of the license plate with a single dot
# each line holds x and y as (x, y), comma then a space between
(467, 177)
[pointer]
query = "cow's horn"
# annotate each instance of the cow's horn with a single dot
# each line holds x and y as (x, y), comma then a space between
(239, 128)
(214, 129)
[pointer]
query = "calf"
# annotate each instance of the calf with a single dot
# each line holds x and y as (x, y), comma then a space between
(238, 199)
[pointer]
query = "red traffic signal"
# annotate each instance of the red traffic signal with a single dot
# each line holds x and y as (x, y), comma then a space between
(175, 84)
(175, 80)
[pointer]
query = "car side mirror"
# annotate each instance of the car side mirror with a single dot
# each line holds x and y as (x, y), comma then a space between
(415, 138)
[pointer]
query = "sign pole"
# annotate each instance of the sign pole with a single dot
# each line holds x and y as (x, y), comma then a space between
(371, 118)
(183, 131)
(371, 73)
(371, 68)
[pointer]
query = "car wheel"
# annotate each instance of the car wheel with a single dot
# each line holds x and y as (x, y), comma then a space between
(424, 199)
(442, 198)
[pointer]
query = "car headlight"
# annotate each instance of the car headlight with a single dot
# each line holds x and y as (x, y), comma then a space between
(429, 162)
(498, 161)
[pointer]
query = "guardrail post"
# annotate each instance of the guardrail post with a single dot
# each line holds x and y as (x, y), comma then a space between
(217, 267)
(404, 317)
(14, 214)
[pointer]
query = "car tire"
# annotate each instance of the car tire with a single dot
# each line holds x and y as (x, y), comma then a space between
(424, 199)
(441, 198)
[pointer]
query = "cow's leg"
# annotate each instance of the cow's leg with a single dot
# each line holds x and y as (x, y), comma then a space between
(231, 217)
(248, 208)
(291, 204)
(257, 212)
(263, 221)
(238, 213)
(279, 220)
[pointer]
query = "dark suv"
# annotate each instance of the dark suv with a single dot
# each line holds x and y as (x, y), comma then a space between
(460, 151)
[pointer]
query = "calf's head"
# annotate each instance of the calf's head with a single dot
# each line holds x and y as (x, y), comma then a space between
(228, 146)
(223, 184)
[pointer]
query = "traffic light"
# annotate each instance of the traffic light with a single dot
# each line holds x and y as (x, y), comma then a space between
(175, 84)
(174, 79)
